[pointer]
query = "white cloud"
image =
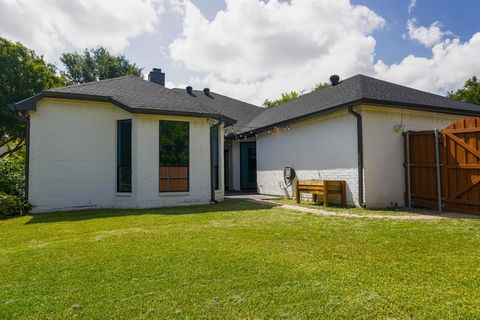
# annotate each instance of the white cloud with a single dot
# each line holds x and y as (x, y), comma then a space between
(256, 50)
(411, 5)
(452, 63)
(53, 26)
(426, 36)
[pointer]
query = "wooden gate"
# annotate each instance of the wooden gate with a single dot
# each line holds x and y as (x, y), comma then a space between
(447, 177)
(461, 166)
(421, 168)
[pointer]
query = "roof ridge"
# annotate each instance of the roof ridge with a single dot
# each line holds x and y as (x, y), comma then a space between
(197, 102)
(250, 104)
(95, 82)
(364, 77)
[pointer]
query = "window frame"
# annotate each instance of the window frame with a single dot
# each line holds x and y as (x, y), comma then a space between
(188, 162)
(118, 155)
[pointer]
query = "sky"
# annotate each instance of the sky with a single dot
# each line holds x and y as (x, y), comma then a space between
(253, 50)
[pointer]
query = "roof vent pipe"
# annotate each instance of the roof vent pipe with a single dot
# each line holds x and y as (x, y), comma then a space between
(189, 90)
(206, 91)
(334, 79)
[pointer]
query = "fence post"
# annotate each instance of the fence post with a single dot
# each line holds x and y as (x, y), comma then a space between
(437, 163)
(409, 174)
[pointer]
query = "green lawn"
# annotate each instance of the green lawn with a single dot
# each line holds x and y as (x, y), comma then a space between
(236, 260)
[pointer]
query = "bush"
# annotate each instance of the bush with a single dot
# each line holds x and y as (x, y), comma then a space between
(11, 206)
(12, 186)
(12, 174)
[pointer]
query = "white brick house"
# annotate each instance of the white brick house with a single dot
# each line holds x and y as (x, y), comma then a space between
(349, 131)
(77, 147)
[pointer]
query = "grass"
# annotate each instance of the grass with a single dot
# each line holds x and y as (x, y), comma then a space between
(236, 260)
(356, 210)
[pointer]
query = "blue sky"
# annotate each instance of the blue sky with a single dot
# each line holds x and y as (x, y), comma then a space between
(253, 50)
(460, 17)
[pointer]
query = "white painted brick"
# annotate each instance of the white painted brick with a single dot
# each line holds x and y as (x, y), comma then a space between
(73, 158)
(383, 150)
(324, 148)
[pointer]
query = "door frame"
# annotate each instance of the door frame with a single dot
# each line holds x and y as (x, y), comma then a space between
(241, 167)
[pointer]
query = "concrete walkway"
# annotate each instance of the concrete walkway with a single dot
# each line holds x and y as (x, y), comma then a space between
(419, 216)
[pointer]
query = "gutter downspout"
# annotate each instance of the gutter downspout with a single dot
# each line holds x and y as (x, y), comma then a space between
(27, 156)
(359, 154)
(212, 187)
(437, 164)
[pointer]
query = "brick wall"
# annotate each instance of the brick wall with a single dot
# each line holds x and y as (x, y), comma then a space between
(383, 150)
(73, 158)
(323, 148)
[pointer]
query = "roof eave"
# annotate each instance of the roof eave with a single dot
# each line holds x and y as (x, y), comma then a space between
(420, 107)
(221, 118)
(30, 104)
(287, 122)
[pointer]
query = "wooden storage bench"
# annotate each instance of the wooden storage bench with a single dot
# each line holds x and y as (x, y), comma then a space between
(322, 188)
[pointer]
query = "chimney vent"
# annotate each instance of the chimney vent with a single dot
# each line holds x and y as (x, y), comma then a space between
(189, 90)
(157, 76)
(334, 79)
(206, 91)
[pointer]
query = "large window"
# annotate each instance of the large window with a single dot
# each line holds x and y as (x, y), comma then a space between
(214, 155)
(124, 156)
(174, 156)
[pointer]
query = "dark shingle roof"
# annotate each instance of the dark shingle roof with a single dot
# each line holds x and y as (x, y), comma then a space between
(139, 96)
(131, 93)
(241, 111)
(355, 90)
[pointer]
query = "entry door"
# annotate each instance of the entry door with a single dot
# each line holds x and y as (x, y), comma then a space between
(248, 165)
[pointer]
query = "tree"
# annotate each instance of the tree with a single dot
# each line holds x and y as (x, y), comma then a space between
(320, 86)
(287, 96)
(22, 74)
(470, 92)
(96, 64)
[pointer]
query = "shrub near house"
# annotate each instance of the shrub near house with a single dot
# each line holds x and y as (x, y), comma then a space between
(12, 186)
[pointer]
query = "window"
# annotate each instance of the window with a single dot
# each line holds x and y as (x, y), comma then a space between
(174, 156)
(124, 156)
(214, 155)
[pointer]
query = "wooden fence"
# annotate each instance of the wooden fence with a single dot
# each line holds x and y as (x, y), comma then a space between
(442, 169)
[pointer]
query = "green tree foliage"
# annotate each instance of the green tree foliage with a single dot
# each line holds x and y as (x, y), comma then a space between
(470, 92)
(320, 86)
(12, 185)
(96, 64)
(11, 206)
(287, 96)
(22, 74)
(12, 177)
(174, 143)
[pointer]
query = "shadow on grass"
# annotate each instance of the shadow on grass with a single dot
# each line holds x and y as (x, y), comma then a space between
(225, 206)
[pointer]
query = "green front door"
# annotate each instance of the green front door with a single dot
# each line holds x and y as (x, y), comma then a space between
(248, 165)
